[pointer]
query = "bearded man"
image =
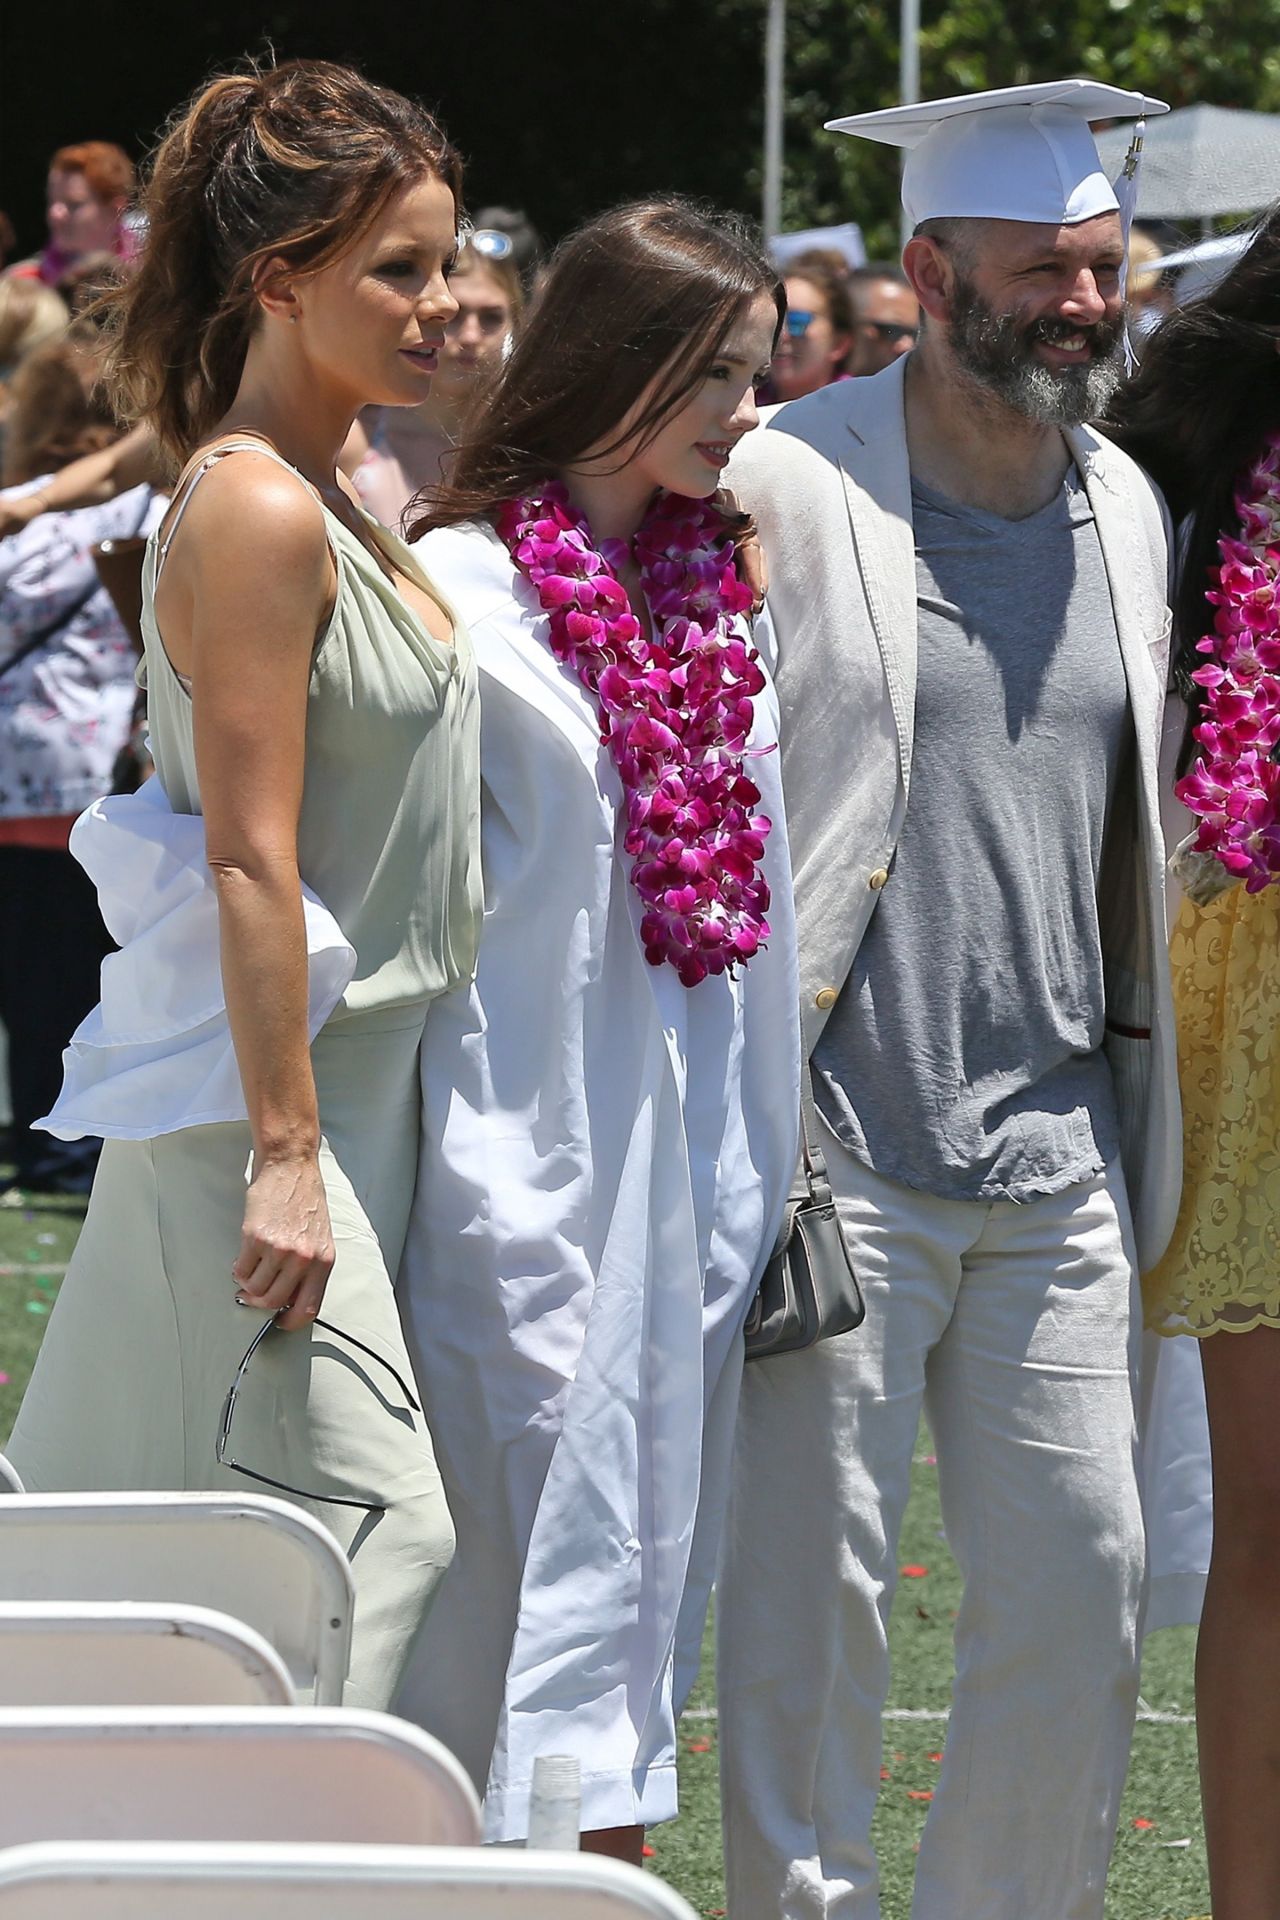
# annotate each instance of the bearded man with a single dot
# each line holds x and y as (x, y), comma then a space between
(969, 588)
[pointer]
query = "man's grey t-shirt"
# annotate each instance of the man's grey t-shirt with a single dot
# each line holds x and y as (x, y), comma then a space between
(962, 1056)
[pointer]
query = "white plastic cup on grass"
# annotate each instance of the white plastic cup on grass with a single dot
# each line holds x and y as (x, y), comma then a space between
(555, 1803)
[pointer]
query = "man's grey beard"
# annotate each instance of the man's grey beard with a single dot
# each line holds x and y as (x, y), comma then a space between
(997, 351)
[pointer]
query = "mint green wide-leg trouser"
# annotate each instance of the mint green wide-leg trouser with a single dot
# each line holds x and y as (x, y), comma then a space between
(146, 1337)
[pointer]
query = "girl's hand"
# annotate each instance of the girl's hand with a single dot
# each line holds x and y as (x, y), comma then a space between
(751, 560)
(1202, 877)
(286, 1245)
(755, 572)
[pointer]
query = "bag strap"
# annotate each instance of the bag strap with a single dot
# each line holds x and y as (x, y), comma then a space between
(808, 1116)
(815, 1165)
(34, 641)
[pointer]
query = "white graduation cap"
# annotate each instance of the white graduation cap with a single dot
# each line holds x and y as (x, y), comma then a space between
(1016, 153)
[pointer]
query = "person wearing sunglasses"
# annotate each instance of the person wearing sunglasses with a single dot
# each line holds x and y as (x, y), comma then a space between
(513, 226)
(886, 318)
(819, 328)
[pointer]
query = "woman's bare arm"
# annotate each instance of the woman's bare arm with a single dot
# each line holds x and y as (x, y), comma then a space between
(245, 634)
(87, 482)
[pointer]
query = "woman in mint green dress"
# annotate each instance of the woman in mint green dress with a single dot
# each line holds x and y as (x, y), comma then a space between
(313, 705)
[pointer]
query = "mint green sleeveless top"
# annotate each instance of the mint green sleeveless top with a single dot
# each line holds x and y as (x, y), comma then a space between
(389, 829)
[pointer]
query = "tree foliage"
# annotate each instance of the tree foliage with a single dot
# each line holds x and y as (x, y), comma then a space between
(842, 57)
(565, 106)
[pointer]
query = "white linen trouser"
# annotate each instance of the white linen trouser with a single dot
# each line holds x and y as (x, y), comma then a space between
(1015, 1326)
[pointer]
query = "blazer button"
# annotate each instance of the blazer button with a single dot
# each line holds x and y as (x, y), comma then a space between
(825, 997)
(880, 878)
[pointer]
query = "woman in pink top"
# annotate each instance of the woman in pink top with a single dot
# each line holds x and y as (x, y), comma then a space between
(90, 187)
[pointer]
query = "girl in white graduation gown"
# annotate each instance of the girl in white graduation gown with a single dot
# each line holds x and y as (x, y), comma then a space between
(608, 1136)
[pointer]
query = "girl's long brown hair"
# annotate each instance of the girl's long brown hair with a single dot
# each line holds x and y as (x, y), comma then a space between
(1203, 403)
(643, 294)
(292, 163)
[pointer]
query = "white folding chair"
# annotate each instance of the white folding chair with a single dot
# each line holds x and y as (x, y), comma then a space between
(325, 1883)
(9, 1480)
(116, 1653)
(233, 1773)
(260, 1560)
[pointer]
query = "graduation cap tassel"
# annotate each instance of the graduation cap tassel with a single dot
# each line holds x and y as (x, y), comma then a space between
(1126, 190)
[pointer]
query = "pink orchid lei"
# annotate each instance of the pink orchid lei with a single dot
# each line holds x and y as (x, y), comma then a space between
(675, 712)
(1234, 788)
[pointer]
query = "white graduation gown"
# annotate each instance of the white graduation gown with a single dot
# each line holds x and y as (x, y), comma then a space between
(605, 1160)
(1177, 1474)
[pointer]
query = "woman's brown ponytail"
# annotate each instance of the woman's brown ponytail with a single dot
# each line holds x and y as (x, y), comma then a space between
(292, 163)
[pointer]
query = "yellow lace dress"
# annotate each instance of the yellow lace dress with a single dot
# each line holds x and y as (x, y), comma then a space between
(1222, 1269)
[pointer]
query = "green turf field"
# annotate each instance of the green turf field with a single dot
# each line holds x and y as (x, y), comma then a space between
(1159, 1868)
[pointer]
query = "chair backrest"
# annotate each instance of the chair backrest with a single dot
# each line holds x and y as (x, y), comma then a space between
(261, 1560)
(325, 1883)
(118, 1653)
(234, 1773)
(9, 1480)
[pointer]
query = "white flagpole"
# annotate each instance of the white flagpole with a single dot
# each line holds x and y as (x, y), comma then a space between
(775, 37)
(908, 68)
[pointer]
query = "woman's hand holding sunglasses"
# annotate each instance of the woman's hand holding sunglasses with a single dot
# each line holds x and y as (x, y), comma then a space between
(286, 1245)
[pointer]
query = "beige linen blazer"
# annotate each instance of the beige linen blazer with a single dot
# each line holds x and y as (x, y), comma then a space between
(828, 481)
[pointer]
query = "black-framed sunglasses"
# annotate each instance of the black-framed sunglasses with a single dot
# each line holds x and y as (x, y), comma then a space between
(264, 1479)
(891, 330)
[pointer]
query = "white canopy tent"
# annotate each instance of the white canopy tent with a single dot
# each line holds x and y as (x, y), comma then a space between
(1201, 162)
(1200, 268)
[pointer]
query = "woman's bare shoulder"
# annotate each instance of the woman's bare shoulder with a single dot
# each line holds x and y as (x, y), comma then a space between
(246, 504)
